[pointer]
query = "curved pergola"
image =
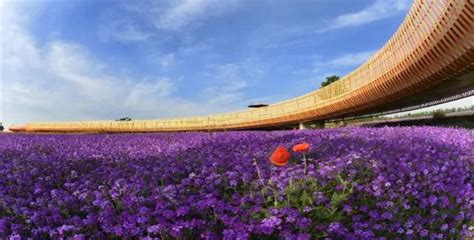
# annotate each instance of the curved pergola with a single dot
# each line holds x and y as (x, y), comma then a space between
(430, 56)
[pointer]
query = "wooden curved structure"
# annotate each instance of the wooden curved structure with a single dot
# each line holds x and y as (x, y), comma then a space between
(430, 56)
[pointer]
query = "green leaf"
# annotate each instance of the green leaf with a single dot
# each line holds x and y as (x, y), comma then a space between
(306, 199)
(337, 199)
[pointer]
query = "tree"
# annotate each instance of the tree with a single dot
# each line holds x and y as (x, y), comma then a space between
(124, 119)
(439, 114)
(1, 127)
(329, 80)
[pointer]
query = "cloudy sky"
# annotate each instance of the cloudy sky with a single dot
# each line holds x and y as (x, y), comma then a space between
(83, 60)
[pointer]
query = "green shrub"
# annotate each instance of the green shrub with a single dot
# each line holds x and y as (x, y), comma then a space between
(439, 114)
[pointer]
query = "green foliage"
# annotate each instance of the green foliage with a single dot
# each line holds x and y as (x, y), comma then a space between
(299, 193)
(321, 202)
(330, 80)
(324, 201)
(438, 111)
(439, 114)
(1, 127)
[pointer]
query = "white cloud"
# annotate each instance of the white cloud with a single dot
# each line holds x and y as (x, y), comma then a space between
(228, 84)
(72, 87)
(160, 88)
(270, 36)
(193, 48)
(186, 12)
(72, 64)
(64, 81)
(122, 30)
(351, 59)
(324, 67)
(381, 9)
(167, 60)
(346, 60)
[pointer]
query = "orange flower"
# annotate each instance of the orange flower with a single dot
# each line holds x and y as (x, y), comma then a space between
(302, 147)
(280, 156)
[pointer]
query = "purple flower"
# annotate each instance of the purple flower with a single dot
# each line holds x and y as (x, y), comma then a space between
(65, 228)
(182, 211)
(444, 227)
(15, 237)
(303, 236)
(155, 228)
(387, 215)
(172, 185)
(303, 223)
(433, 200)
(424, 233)
(334, 227)
(347, 208)
(79, 237)
(3, 226)
(271, 222)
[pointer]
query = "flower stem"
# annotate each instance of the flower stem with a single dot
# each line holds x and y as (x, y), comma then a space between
(258, 170)
(305, 164)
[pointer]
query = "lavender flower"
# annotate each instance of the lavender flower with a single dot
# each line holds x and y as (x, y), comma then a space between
(366, 183)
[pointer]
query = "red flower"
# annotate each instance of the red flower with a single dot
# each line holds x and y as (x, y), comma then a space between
(280, 156)
(302, 147)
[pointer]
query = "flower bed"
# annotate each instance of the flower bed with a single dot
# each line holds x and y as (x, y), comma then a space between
(357, 183)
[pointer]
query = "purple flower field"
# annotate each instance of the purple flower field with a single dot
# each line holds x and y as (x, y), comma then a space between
(385, 183)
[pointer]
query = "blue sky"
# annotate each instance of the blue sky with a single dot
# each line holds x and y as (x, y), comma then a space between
(86, 60)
